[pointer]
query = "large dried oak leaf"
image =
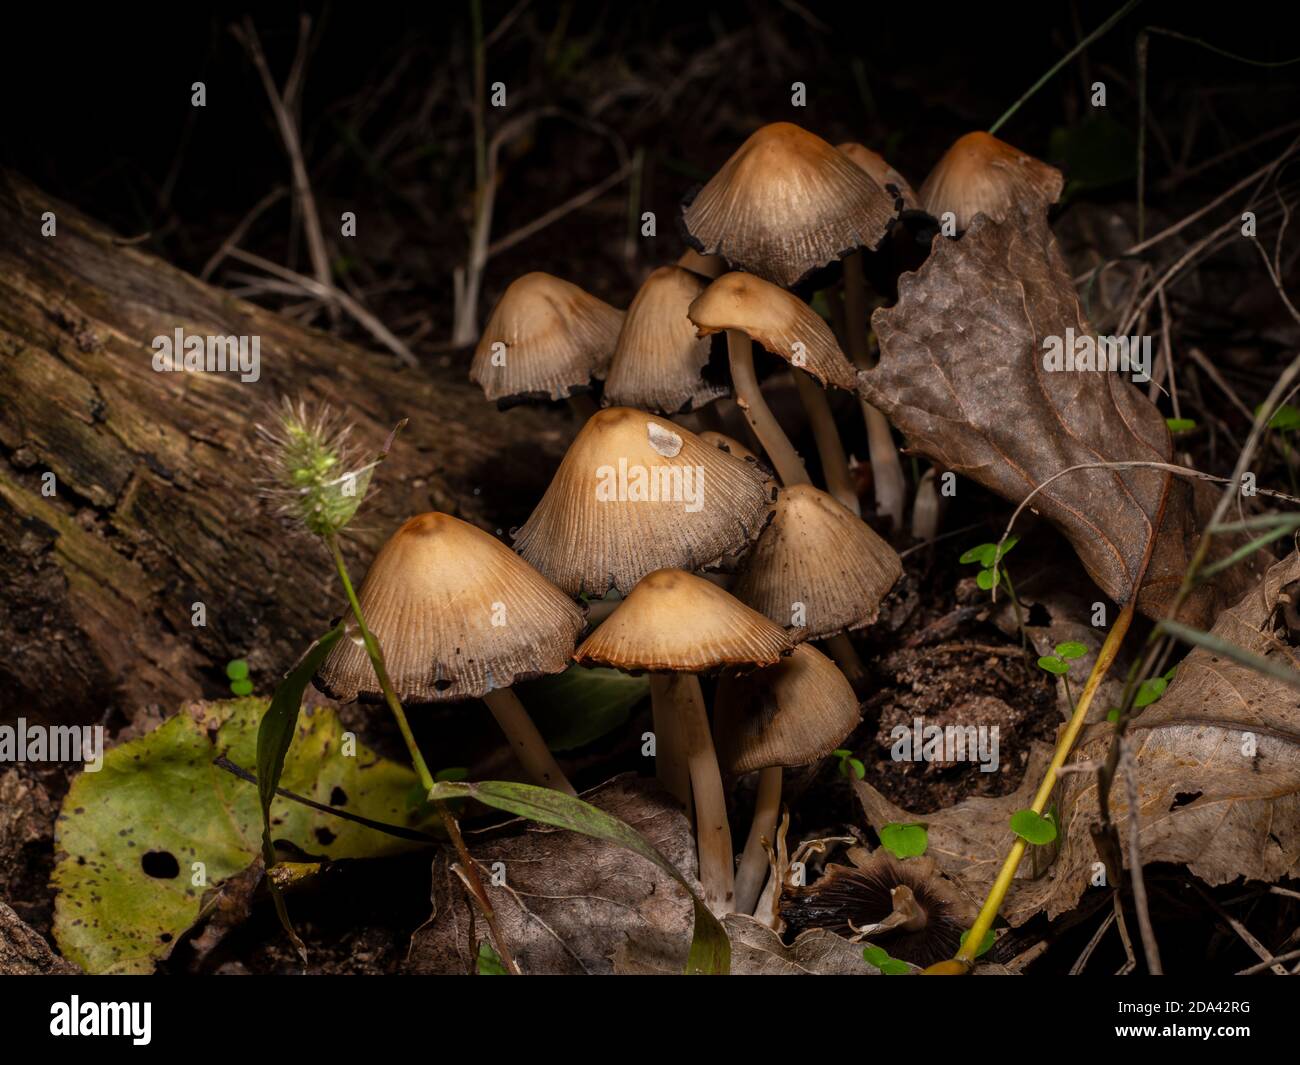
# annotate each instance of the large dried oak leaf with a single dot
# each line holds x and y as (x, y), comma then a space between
(961, 375)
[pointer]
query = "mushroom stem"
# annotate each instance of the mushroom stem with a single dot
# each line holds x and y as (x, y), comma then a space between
(754, 866)
(670, 761)
(846, 657)
(526, 741)
(712, 833)
(789, 466)
(835, 466)
(886, 468)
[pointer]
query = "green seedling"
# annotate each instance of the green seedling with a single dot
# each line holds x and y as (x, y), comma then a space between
(1180, 425)
(904, 841)
(1033, 827)
(993, 574)
(879, 957)
(848, 765)
(1058, 664)
(237, 672)
(488, 962)
(1148, 692)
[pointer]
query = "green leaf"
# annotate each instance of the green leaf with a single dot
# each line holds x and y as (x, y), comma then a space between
(904, 841)
(241, 687)
(880, 958)
(1071, 649)
(986, 943)
(984, 554)
(1002, 551)
(1054, 665)
(1149, 691)
(237, 669)
(841, 752)
(1033, 827)
(1112, 715)
(1180, 425)
(161, 795)
(985, 579)
(894, 967)
(452, 773)
(489, 962)
(710, 948)
(580, 705)
(859, 770)
(1286, 418)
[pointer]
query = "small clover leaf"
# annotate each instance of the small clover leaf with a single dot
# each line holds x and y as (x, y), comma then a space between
(904, 841)
(1052, 664)
(1071, 649)
(1033, 827)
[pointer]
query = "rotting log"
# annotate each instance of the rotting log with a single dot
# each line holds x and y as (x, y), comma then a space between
(155, 505)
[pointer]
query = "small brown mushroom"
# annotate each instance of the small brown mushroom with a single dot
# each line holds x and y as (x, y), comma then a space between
(880, 172)
(981, 174)
(458, 616)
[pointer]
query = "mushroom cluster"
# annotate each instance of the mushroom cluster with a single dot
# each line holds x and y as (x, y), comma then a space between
(665, 546)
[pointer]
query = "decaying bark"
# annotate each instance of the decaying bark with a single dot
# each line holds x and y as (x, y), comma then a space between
(155, 505)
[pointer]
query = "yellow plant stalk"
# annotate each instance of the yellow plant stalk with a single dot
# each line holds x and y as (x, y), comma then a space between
(965, 957)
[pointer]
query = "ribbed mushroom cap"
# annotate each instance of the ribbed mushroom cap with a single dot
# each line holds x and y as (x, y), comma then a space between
(793, 713)
(884, 889)
(709, 266)
(658, 360)
(457, 613)
(636, 493)
(980, 173)
(786, 203)
(730, 446)
(879, 170)
(818, 553)
(557, 338)
(781, 322)
(675, 622)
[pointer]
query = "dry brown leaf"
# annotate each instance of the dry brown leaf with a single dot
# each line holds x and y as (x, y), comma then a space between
(961, 374)
(569, 902)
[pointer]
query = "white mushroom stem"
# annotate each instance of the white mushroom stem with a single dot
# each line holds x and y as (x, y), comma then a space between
(712, 833)
(846, 657)
(526, 741)
(835, 466)
(749, 397)
(886, 467)
(670, 760)
(754, 865)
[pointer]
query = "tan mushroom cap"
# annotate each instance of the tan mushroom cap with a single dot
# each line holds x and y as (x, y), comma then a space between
(457, 613)
(793, 713)
(787, 203)
(879, 170)
(730, 445)
(675, 622)
(781, 322)
(818, 553)
(980, 173)
(659, 358)
(636, 493)
(709, 266)
(557, 338)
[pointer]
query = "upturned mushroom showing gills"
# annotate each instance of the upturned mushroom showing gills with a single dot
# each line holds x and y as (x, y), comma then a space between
(793, 713)
(545, 339)
(786, 203)
(673, 626)
(750, 309)
(659, 359)
(635, 493)
(981, 174)
(908, 907)
(459, 616)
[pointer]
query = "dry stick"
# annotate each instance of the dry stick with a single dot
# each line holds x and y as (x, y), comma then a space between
(670, 760)
(1243, 932)
(754, 867)
(289, 134)
(749, 397)
(1081, 962)
(835, 466)
(1149, 945)
(468, 865)
(237, 234)
(364, 318)
(526, 741)
(1259, 967)
(886, 466)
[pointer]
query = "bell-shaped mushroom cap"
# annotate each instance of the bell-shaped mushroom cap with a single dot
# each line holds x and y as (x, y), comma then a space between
(709, 266)
(658, 360)
(781, 322)
(786, 203)
(793, 713)
(730, 446)
(909, 907)
(457, 613)
(675, 622)
(554, 338)
(879, 170)
(980, 173)
(817, 566)
(636, 493)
